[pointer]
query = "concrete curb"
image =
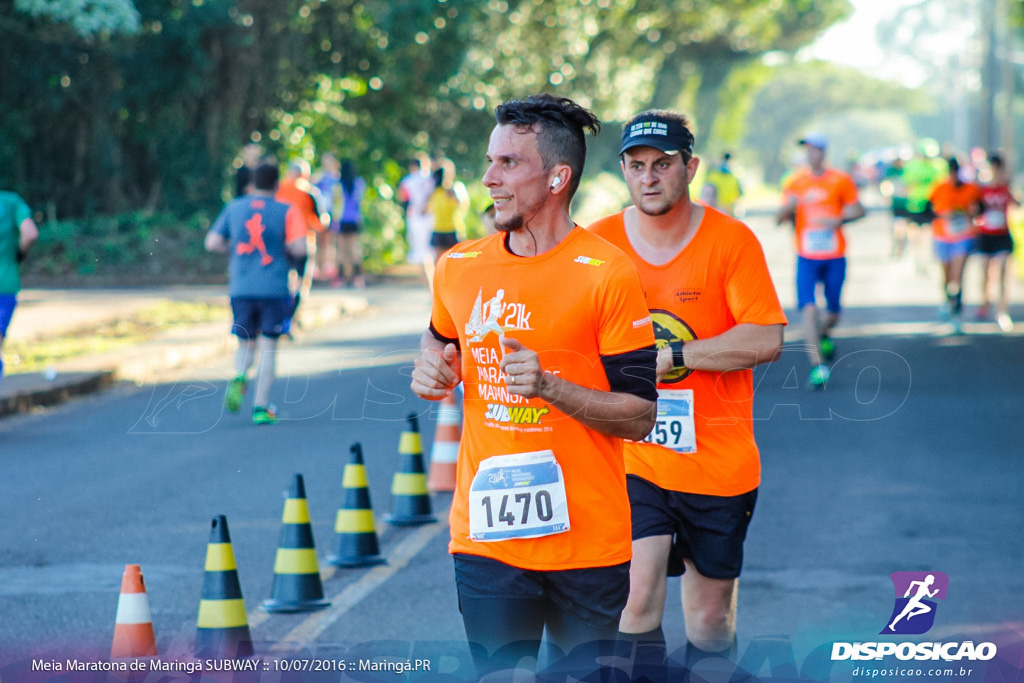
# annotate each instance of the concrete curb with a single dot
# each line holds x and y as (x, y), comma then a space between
(37, 391)
(177, 348)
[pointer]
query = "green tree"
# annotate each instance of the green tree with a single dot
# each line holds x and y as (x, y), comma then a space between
(143, 106)
(819, 93)
(88, 19)
(620, 57)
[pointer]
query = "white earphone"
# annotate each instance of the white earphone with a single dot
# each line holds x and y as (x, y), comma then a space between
(556, 182)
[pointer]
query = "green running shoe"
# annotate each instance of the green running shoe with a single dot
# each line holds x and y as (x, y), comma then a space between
(264, 416)
(827, 347)
(235, 394)
(819, 377)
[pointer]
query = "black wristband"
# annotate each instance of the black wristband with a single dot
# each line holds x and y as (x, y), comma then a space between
(677, 354)
(21, 255)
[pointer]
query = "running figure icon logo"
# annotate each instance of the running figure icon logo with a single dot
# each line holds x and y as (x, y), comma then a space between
(484, 318)
(914, 611)
(256, 229)
(496, 315)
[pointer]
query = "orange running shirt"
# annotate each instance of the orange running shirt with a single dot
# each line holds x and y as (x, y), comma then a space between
(819, 198)
(571, 305)
(289, 192)
(953, 207)
(719, 280)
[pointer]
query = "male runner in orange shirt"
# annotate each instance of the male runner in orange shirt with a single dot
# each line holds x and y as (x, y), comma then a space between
(819, 199)
(298, 190)
(546, 326)
(693, 482)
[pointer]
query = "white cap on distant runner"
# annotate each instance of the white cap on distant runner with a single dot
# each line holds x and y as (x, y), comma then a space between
(815, 140)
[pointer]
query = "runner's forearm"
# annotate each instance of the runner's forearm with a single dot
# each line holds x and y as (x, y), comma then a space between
(611, 413)
(738, 348)
(852, 212)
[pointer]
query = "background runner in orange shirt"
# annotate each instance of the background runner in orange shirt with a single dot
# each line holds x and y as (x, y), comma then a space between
(693, 482)
(955, 204)
(297, 189)
(819, 199)
(546, 326)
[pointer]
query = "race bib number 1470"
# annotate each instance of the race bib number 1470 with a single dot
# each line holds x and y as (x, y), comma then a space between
(521, 495)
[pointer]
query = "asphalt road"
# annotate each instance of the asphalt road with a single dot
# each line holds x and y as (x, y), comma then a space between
(909, 461)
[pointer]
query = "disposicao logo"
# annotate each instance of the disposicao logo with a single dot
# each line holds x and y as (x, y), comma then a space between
(913, 614)
(916, 592)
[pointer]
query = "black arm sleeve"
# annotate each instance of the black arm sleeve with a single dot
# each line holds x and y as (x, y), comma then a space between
(634, 372)
(441, 338)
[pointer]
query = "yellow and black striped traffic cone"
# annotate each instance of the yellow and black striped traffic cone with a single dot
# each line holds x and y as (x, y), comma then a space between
(410, 502)
(223, 626)
(356, 534)
(297, 586)
(444, 454)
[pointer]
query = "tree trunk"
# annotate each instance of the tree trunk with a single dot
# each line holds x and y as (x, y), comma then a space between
(713, 74)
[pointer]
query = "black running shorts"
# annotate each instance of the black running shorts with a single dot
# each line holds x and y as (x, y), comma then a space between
(991, 244)
(259, 316)
(708, 530)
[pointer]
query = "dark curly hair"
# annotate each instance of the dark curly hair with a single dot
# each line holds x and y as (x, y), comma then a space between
(561, 127)
(266, 176)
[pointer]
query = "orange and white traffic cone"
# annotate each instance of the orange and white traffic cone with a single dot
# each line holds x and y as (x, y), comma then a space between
(133, 626)
(445, 452)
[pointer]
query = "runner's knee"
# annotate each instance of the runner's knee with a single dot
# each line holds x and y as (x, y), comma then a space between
(644, 602)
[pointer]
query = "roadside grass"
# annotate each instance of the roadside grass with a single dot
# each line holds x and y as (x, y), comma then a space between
(36, 355)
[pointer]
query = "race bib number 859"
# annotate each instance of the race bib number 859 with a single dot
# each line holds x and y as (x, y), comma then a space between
(674, 427)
